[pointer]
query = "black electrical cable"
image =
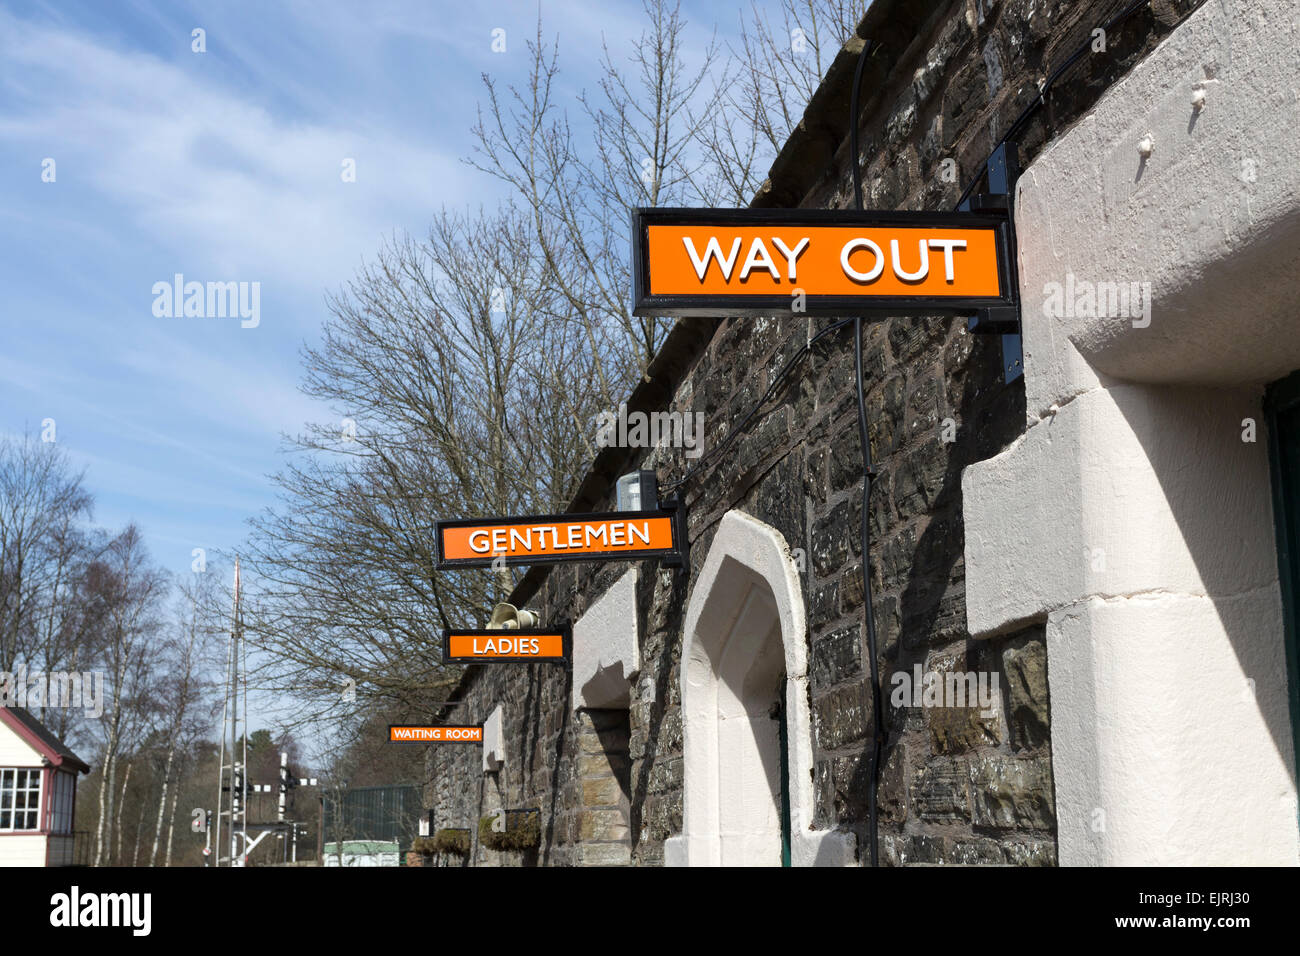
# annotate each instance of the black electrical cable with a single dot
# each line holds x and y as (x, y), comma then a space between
(857, 195)
(868, 468)
(853, 125)
(771, 390)
(789, 366)
(868, 480)
(1041, 98)
(868, 476)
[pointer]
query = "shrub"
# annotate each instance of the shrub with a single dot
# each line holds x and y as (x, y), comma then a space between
(423, 845)
(451, 842)
(523, 831)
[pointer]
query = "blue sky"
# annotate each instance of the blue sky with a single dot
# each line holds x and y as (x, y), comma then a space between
(222, 166)
(225, 166)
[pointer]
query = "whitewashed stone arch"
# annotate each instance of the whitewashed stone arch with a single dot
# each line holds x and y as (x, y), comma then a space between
(745, 624)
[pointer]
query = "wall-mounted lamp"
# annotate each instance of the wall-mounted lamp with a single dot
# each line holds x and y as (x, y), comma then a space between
(637, 491)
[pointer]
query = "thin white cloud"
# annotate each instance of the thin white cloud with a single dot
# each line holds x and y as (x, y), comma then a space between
(198, 168)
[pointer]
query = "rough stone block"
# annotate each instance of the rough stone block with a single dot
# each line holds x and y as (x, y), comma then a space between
(837, 656)
(824, 605)
(601, 792)
(600, 764)
(1031, 853)
(1025, 666)
(956, 729)
(941, 791)
(1010, 793)
(830, 540)
(605, 854)
(602, 825)
(842, 716)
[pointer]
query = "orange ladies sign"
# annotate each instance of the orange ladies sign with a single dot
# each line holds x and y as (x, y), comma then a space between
(717, 262)
(522, 646)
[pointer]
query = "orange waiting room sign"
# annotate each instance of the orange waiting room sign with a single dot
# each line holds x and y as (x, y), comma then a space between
(406, 734)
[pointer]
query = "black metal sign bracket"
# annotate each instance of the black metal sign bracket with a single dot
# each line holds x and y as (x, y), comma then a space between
(682, 558)
(1003, 170)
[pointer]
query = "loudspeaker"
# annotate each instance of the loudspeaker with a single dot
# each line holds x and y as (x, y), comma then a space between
(507, 617)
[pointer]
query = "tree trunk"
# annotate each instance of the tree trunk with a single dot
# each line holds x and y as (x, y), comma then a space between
(105, 801)
(162, 803)
(139, 827)
(117, 822)
(171, 824)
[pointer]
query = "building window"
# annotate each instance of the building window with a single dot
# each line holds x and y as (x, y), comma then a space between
(20, 799)
(61, 800)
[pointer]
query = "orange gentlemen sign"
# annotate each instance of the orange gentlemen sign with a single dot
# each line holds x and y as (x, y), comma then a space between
(407, 734)
(628, 535)
(720, 262)
(527, 645)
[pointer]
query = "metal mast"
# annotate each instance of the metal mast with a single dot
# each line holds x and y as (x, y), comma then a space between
(243, 773)
(230, 776)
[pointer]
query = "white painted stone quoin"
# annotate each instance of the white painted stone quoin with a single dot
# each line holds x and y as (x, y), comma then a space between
(1131, 516)
(606, 647)
(745, 626)
(494, 741)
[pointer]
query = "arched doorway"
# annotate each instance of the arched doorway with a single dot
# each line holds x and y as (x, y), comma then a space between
(738, 672)
(747, 745)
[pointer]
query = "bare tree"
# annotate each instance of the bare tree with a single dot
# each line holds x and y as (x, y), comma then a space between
(461, 389)
(638, 146)
(466, 370)
(131, 590)
(188, 659)
(776, 64)
(41, 503)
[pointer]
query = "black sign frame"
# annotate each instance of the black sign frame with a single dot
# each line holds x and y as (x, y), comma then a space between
(565, 631)
(712, 305)
(431, 743)
(669, 557)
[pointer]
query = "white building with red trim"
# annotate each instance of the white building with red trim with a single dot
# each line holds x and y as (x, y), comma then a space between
(38, 793)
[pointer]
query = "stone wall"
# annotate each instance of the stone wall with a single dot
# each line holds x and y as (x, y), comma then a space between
(958, 785)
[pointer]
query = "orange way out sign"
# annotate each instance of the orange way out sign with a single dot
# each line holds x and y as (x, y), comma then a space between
(407, 734)
(737, 262)
(523, 646)
(539, 539)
